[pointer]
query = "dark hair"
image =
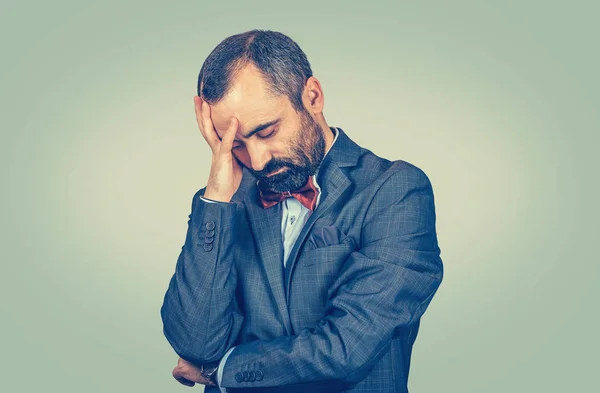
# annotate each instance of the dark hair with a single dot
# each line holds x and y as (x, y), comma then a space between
(281, 61)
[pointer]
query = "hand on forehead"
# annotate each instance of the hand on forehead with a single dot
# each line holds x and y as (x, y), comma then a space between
(248, 100)
(249, 112)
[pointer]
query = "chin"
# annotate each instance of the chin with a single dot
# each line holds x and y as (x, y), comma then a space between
(281, 183)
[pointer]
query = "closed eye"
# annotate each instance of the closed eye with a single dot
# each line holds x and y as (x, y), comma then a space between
(268, 135)
(259, 136)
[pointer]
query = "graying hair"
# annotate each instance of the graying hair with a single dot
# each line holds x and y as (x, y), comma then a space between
(280, 60)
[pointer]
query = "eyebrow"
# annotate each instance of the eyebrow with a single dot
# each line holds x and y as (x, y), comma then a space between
(258, 128)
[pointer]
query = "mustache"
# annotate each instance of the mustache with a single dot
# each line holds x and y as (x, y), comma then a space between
(273, 166)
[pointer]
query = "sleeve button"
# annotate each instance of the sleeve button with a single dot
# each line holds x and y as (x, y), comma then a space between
(259, 375)
(208, 246)
(246, 375)
(239, 377)
(210, 225)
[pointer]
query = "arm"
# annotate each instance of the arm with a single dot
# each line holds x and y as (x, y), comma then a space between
(383, 287)
(200, 313)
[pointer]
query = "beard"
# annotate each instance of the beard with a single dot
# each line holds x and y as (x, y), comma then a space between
(307, 151)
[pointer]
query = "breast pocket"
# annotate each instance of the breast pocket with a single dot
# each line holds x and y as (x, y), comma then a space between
(327, 254)
(313, 281)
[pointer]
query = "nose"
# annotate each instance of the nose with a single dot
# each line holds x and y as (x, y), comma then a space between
(259, 155)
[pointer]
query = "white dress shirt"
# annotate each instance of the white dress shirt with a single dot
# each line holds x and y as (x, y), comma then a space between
(293, 218)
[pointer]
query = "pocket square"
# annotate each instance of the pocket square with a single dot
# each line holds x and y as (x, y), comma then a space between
(326, 236)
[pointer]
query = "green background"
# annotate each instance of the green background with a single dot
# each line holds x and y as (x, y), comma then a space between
(100, 156)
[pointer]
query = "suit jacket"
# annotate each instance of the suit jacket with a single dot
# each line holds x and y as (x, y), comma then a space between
(343, 315)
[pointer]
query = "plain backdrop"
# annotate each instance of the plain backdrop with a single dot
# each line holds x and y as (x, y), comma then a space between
(100, 155)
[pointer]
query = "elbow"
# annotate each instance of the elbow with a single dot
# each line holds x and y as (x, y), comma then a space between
(177, 332)
(188, 346)
(177, 336)
(195, 344)
(196, 352)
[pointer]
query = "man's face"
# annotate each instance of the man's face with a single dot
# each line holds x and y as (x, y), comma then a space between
(285, 147)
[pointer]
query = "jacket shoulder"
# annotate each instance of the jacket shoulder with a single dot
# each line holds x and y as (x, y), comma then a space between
(375, 170)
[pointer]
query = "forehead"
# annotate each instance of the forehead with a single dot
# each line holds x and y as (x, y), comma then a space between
(249, 101)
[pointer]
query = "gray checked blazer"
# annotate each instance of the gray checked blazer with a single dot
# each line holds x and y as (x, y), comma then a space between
(343, 315)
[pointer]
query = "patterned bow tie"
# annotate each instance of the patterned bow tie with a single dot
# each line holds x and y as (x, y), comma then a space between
(307, 195)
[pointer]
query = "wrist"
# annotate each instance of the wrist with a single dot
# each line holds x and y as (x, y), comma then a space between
(209, 371)
(216, 196)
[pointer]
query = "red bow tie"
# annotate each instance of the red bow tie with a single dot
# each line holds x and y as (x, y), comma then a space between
(307, 195)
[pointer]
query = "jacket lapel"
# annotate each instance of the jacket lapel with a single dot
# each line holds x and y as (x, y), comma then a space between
(266, 227)
(333, 182)
(266, 223)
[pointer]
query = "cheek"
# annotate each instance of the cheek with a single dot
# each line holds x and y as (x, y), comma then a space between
(301, 144)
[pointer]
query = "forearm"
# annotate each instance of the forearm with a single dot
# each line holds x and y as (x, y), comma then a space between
(200, 313)
(346, 344)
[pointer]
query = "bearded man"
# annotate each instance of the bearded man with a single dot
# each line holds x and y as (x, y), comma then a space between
(308, 260)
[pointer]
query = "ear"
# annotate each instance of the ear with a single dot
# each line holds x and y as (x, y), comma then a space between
(313, 97)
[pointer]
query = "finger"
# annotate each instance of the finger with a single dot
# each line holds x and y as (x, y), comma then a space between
(198, 110)
(207, 124)
(227, 141)
(198, 103)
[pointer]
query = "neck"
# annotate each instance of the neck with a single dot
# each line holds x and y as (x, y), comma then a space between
(328, 134)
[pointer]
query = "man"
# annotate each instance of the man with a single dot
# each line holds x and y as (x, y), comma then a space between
(308, 260)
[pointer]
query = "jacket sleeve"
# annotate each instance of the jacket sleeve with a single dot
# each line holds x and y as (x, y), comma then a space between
(200, 314)
(383, 286)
